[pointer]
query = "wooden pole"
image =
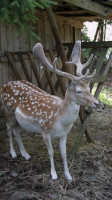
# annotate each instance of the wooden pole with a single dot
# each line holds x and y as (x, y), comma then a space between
(56, 34)
(59, 45)
(82, 115)
(80, 135)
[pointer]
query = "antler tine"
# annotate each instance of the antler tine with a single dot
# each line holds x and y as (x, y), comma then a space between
(39, 54)
(67, 75)
(89, 78)
(76, 57)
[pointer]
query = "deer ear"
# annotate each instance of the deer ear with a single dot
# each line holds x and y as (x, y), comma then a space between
(69, 83)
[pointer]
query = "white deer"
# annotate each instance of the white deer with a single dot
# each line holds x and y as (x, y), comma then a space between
(34, 110)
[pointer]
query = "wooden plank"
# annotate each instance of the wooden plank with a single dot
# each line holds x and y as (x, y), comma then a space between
(41, 30)
(0, 40)
(92, 6)
(67, 33)
(17, 45)
(48, 36)
(35, 71)
(3, 31)
(1, 76)
(14, 68)
(77, 34)
(10, 47)
(26, 72)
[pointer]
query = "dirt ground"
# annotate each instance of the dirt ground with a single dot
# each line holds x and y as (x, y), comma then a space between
(91, 168)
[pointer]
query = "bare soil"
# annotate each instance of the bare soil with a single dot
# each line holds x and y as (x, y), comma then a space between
(91, 168)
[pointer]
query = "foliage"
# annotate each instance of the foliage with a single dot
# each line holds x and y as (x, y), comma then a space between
(21, 14)
(105, 95)
(85, 38)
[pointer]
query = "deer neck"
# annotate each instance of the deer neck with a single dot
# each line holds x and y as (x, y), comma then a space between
(70, 109)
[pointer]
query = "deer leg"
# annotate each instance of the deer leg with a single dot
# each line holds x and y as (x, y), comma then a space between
(16, 133)
(9, 132)
(47, 140)
(62, 142)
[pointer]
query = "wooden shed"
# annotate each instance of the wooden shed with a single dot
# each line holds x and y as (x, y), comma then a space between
(16, 60)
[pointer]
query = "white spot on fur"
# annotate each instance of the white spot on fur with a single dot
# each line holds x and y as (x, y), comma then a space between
(54, 102)
(35, 109)
(9, 104)
(41, 121)
(5, 98)
(12, 98)
(16, 92)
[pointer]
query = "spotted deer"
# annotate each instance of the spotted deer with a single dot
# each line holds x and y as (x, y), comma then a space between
(34, 110)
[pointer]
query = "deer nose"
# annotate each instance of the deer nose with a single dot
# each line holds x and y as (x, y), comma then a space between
(96, 103)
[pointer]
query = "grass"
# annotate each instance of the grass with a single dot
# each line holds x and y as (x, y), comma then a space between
(105, 95)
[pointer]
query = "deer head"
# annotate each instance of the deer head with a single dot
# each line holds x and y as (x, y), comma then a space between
(77, 88)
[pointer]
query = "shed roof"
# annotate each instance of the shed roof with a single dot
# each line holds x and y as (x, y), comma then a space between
(84, 10)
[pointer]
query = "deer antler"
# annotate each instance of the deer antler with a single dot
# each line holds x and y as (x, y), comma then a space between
(76, 57)
(39, 54)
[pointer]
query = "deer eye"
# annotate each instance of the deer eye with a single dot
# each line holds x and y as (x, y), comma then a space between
(78, 91)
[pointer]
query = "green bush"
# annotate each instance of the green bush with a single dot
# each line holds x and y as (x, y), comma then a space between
(21, 14)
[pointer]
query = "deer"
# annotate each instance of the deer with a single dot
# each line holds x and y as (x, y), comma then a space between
(32, 109)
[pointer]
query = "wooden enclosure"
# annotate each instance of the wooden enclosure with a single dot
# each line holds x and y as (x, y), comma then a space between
(16, 59)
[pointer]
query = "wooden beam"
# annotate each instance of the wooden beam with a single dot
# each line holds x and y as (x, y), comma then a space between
(84, 45)
(92, 6)
(89, 18)
(71, 12)
(69, 21)
(106, 44)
